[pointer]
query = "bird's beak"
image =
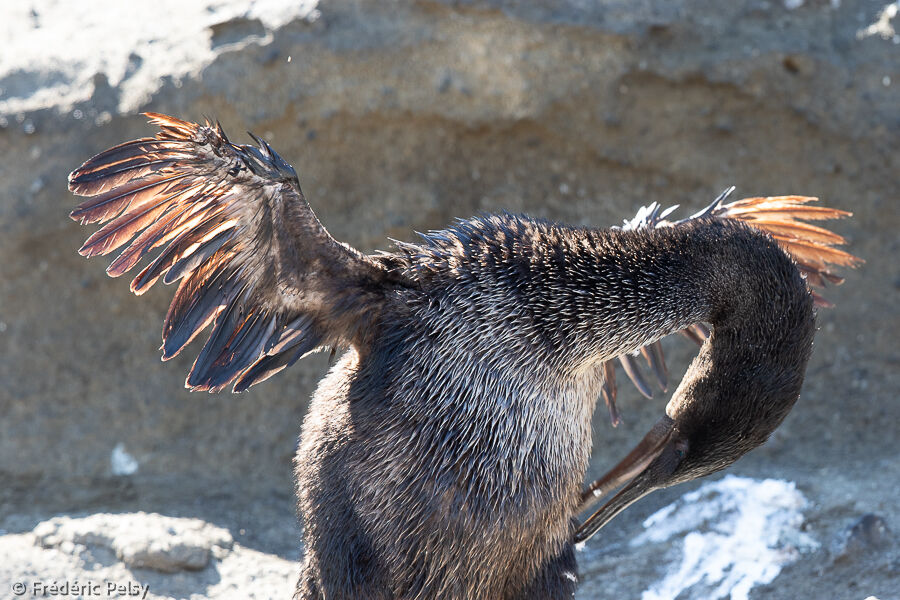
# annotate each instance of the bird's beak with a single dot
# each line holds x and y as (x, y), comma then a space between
(639, 474)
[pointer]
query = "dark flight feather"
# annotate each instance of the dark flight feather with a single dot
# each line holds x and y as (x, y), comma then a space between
(235, 229)
(124, 163)
(296, 340)
(636, 375)
(196, 303)
(654, 355)
(110, 204)
(163, 230)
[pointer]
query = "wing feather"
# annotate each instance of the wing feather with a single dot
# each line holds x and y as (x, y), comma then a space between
(252, 259)
(198, 300)
(782, 217)
(126, 162)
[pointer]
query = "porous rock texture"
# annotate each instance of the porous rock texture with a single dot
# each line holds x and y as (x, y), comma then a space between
(141, 541)
(399, 116)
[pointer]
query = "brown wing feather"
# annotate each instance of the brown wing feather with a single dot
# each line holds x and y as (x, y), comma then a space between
(234, 227)
(797, 230)
(811, 246)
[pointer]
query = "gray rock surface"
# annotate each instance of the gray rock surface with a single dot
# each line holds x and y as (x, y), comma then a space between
(122, 556)
(140, 540)
(398, 117)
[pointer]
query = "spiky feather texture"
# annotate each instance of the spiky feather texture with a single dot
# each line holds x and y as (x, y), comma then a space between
(447, 461)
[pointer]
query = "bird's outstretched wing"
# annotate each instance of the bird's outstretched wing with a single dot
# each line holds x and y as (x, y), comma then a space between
(234, 227)
(784, 218)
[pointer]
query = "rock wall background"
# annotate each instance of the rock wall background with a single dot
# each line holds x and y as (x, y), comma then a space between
(399, 117)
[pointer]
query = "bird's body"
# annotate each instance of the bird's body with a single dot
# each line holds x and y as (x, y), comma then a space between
(443, 456)
(460, 437)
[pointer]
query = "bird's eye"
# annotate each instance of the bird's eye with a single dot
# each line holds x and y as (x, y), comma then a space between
(681, 448)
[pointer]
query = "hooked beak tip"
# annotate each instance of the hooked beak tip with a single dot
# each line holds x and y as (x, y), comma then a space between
(639, 487)
(633, 474)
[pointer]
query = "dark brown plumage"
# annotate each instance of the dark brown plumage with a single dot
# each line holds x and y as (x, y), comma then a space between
(443, 456)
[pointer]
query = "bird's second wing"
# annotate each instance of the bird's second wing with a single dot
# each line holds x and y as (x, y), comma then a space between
(235, 229)
(784, 218)
(812, 247)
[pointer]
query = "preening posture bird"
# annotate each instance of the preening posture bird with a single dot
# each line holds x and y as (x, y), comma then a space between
(443, 456)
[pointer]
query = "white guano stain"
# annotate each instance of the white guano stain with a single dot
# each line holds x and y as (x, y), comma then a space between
(738, 533)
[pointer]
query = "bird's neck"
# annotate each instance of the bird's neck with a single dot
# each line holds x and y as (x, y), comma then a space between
(599, 294)
(596, 294)
(569, 298)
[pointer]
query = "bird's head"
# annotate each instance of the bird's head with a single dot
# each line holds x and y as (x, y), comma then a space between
(711, 421)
